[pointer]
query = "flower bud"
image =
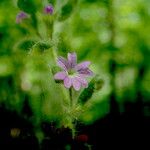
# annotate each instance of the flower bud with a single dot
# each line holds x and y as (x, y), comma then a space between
(49, 9)
(21, 16)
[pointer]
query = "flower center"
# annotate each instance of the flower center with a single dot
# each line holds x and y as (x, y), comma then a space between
(71, 72)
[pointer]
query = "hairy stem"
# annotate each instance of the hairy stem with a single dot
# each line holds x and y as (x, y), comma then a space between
(71, 98)
(71, 106)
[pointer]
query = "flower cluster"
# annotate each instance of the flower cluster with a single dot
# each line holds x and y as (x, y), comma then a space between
(73, 74)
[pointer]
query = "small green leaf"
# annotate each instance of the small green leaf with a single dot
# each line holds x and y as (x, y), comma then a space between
(95, 84)
(27, 6)
(42, 46)
(67, 10)
(26, 44)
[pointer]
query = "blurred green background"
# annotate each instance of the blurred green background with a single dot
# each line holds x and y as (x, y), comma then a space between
(112, 34)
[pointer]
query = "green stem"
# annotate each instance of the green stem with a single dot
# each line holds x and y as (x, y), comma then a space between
(55, 56)
(71, 98)
(49, 23)
(71, 106)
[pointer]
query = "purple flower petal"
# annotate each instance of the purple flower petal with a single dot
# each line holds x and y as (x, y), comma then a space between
(76, 84)
(85, 72)
(72, 59)
(82, 65)
(60, 75)
(62, 62)
(67, 82)
(83, 81)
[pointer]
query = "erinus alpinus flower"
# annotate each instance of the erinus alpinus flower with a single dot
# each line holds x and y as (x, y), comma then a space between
(21, 16)
(73, 74)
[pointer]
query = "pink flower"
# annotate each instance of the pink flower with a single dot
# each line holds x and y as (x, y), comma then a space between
(73, 74)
